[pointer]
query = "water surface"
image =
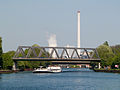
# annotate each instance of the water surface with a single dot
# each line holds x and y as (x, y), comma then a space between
(69, 79)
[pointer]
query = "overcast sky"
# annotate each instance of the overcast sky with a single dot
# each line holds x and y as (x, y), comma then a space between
(28, 22)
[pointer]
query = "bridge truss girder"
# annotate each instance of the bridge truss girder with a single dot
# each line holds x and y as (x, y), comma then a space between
(76, 53)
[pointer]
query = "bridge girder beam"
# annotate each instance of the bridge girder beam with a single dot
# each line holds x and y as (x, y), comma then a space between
(87, 54)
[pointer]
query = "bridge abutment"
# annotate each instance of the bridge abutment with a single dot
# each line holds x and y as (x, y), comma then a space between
(15, 65)
(99, 65)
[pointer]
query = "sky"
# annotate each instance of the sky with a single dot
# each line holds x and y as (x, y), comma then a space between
(28, 22)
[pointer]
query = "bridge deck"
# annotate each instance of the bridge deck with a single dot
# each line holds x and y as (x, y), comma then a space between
(55, 59)
(70, 62)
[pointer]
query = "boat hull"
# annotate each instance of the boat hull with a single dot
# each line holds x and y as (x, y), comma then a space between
(48, 70)
(42, 72)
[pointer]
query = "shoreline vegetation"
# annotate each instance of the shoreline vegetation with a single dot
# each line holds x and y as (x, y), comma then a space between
(96, 70)
(8, 71)
(110, 59)
(108, 70)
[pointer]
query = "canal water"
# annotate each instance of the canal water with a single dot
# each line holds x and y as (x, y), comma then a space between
(69, 79)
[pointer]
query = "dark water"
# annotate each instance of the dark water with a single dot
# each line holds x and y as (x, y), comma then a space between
(70, 79)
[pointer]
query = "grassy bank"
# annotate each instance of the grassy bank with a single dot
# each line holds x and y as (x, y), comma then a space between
(108, 70)
(7, 71)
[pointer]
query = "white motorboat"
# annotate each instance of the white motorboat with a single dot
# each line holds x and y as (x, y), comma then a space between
(50, 69)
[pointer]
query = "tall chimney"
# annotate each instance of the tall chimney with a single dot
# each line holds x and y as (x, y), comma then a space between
(78, 42)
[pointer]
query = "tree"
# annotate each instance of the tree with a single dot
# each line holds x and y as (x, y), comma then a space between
(1, 51)
(106, 43)
(106, 55)
(33, 64)
(116, 49)
(116, 61)
(7, 59)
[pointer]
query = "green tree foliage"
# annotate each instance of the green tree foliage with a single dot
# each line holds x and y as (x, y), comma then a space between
(106, 43)
(116, 61)
(7, 59)
(106, 55)
(33, 64)
(1, 61)
(116, 49)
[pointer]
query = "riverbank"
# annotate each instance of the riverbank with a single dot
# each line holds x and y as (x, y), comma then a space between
(7, 71)
(108, 70)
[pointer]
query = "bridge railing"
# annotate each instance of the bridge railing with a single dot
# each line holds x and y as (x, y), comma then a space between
(56, 52)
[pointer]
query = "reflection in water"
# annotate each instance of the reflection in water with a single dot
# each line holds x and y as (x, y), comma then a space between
(77, 70)
(0, 76)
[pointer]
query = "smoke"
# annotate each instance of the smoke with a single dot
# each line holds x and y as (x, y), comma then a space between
(52, 42)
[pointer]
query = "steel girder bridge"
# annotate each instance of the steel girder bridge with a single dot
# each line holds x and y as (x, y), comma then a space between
(57, 55)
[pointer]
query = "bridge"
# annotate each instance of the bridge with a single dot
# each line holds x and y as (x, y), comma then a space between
(57, 55)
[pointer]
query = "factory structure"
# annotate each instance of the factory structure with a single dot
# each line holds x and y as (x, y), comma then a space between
(78, 40)
(53, 42)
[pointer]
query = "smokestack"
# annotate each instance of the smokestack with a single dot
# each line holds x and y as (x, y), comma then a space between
(78, 43)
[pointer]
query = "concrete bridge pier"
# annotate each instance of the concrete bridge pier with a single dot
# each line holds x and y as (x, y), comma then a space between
(99, 66)
(15, 66)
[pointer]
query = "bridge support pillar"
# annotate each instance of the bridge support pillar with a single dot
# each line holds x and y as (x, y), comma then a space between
(15, 66)
(99, 66)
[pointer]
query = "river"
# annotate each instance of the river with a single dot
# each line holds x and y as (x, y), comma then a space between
(69, 79)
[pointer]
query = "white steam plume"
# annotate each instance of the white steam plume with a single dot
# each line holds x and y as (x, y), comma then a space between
(52, 42)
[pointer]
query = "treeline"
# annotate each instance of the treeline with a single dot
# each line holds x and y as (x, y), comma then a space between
(110, 55)
(1, 51)
(6, 61)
